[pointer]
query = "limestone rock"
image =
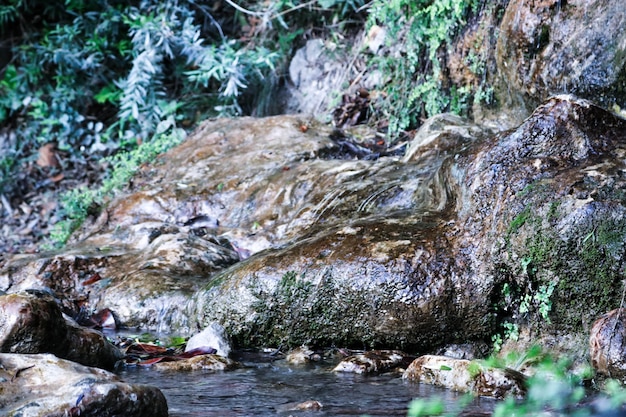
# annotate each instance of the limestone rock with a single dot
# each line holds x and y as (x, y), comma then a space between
(38, 385)
(213, 336)
(371, 362)
(410, 252)
(31, 324)
(300, 356)
(461, 375)
(309, 405)
(313, 76)
(212, 362)
(551, 47)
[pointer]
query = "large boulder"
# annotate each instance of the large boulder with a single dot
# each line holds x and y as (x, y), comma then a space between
(38, 385)
(31, 324)
(545, 210)
(280, 236)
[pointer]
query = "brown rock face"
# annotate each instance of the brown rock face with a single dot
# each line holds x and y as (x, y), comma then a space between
(607, 344)
(29, 324)
(551, 46)
(263, 228)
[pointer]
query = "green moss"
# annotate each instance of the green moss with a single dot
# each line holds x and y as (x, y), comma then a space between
(554, 276)
(519, 220)
(418, 31)
(298, 312)
(592, 277)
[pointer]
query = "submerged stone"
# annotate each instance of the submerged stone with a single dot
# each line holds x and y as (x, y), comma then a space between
(372, 362)
(300, 355)
(212, 362)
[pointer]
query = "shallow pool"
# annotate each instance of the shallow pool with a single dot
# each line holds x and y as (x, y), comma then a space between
(274, 388)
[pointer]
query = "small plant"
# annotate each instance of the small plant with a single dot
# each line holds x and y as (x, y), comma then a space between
(78, 203)
(552, 389)
(413, 66)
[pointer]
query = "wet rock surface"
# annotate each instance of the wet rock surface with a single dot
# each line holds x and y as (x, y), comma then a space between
(300, 247)
(465, 376)
(38, 385)
(554, 191)
(372, 362)
(212, 362)
(31, 324)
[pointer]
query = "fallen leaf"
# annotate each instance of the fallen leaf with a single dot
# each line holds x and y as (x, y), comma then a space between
(47, 156)
(94, 278)
(57, 178)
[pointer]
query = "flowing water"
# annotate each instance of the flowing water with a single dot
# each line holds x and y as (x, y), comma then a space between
(262, 388)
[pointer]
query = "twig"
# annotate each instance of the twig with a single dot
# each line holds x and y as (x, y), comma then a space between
(243, 10)
(251, 13)
(19, 371)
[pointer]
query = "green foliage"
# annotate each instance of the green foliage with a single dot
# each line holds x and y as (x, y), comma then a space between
(429, 407)
(553, 386)
(98, 77)
(413, 65)
(79, 203)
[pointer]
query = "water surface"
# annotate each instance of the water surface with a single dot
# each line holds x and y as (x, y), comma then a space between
(262, 388)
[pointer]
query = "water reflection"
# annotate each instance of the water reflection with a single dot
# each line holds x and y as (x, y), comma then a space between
(273, 388)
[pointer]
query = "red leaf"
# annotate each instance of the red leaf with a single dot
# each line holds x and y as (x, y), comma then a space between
(151, 361)
(148, 348)
(94, 278)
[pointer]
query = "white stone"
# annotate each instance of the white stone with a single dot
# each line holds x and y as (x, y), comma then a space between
(213, 336)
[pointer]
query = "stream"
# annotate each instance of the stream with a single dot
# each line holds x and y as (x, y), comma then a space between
(264, 388)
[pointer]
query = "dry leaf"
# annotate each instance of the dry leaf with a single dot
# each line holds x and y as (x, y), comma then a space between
(57, 178)
(48, 156)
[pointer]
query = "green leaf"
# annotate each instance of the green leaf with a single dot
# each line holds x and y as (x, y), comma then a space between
(109, 93)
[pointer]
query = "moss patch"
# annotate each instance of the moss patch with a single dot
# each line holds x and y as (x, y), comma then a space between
(298, 311)
(582, 267)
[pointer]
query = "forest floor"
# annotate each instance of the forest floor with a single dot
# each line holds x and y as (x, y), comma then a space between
(30, 204)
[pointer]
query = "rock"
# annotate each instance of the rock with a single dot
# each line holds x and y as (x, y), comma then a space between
(88, 347)
(465, 376)
(313, 75)
(310, 405)
(44, 385)
(211, 362)
(607, 344)
(36, 325)
(371, 362)
(555, 193)
(465, 350)
(155, 248)
(552, 47)
(299, 356)
(213, 336)
(442, 246)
